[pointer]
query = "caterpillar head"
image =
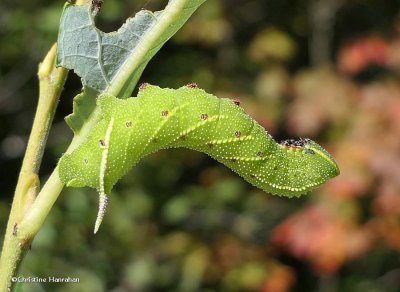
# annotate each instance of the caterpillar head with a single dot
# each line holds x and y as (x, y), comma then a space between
(306, 166)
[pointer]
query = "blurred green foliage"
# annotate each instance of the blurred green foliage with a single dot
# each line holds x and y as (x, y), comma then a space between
(181, 222)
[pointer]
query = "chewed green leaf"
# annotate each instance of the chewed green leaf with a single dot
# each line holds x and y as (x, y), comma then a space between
(116, 59)
(189, 117)
(94, 55)
(83, 105)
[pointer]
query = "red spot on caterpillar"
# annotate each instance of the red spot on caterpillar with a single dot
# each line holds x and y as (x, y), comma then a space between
(203, 117)
(192, 85)
(164, 113)
(236, 101)
(96, 6)
(143, 86)
(237, 134)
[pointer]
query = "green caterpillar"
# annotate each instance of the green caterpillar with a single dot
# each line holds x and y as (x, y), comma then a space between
(189, 117)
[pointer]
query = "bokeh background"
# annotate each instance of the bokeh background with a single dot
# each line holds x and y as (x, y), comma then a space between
(324, 69)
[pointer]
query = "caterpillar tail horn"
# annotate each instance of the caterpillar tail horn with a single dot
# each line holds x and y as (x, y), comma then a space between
(103, 202)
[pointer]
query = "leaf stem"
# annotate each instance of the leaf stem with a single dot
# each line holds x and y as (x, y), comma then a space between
(34, 219)
(51, 80)
(169, 21)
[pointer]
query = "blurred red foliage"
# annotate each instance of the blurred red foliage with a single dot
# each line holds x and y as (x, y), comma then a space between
(322, 236)
(359, 54)
(321, 97)
(363, 126)
(356, 56)
(280, 279)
